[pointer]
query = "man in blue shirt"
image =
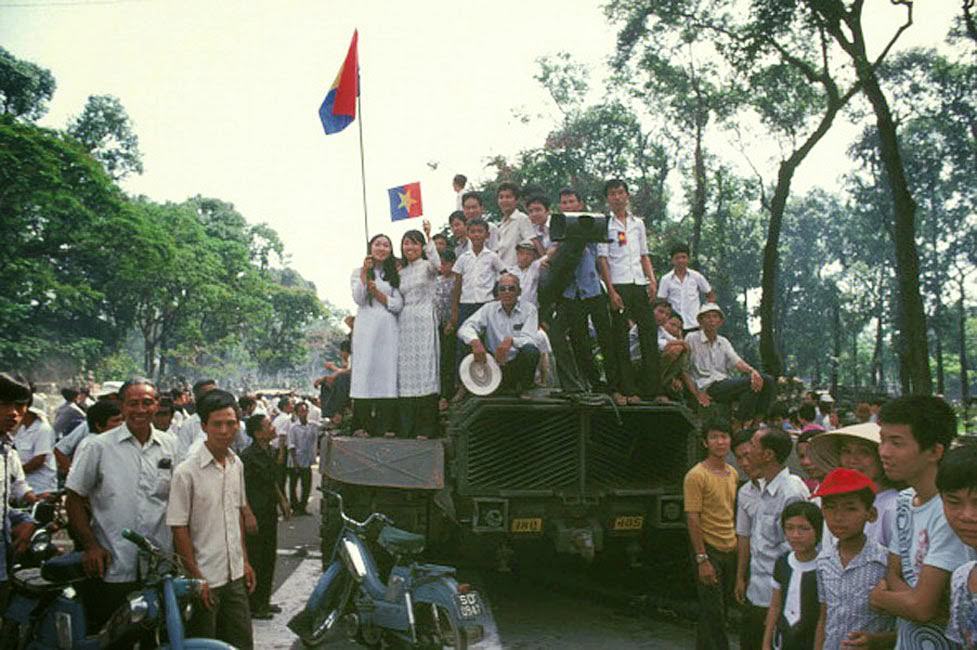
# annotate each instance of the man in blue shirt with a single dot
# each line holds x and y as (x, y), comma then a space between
(583, 298)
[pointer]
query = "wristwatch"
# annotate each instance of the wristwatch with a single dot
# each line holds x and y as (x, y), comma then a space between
(701, 557)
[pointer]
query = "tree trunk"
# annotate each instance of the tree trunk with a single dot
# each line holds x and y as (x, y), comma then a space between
(912, 317)
(962, 335)
(878, 372)
(817, 371)
(699, 194)
(854, 358)
(836, 348)
(938, 345)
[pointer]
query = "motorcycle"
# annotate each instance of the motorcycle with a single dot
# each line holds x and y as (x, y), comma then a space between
(48, 513)
(421, 605)
(44, 611)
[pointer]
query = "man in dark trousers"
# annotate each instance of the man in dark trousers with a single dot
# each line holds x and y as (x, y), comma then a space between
(261, 485)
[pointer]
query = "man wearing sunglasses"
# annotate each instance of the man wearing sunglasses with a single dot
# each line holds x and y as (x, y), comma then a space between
(509, 326)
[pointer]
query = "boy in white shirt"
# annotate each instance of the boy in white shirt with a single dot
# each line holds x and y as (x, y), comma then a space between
(683, 286)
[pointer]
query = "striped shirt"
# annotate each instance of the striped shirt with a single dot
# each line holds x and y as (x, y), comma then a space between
(845, 589)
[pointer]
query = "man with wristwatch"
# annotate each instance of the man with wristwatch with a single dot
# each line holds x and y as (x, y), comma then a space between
(710, 496)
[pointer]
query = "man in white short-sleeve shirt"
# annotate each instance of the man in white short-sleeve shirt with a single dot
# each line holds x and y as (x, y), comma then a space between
(915, 431)
(207, 513)
(682, 288)
(625, 266)
(34, 441)
(515, 226)
(712, 360)
(124, 476)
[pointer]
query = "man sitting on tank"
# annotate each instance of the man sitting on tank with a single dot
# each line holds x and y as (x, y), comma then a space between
(509, 327)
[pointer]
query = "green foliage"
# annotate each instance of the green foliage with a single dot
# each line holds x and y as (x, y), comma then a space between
(25, 88)
(104, 129)
(56, 207)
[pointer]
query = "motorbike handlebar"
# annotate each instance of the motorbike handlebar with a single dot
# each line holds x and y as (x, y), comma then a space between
(349, 521)
(139, 541)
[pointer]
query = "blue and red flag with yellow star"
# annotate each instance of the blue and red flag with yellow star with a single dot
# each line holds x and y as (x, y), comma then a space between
(338, 109)
(405, 201)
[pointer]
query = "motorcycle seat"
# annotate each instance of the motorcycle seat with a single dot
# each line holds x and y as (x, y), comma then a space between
(64, 568)
(30, 580)
(400, 542)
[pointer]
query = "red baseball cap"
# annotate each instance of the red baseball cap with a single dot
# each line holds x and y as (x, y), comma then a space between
(844, 481)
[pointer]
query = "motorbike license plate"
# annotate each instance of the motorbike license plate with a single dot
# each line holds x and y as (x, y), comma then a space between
(469, 605)
(629, 522)
(527, 525)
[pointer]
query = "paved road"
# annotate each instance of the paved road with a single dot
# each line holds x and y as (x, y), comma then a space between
(528, 615)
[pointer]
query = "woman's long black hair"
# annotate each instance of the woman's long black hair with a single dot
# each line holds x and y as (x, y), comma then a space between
(389, 268)
(417, 237)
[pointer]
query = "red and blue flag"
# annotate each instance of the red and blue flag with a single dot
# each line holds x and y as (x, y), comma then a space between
(405, 201)
(338, 109)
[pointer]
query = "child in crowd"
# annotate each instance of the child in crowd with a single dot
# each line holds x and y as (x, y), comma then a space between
(793, 615)
(850, 566)
(814, 473)
(444, 287)
(527, 270)
(916, 431)
(857, 447)
(957, 483)
(440, 242)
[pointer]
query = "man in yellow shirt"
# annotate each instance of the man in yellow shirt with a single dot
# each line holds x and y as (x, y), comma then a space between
(710, 497)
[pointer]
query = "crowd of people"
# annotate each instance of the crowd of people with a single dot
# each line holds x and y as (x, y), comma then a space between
(824, 535)
(862, 536)
(494, 291)
(202, 475)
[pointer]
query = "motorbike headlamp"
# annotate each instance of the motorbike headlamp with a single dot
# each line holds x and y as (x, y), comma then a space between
(138, 608)
(40, 541)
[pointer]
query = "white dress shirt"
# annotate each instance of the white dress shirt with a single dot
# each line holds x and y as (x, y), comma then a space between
(521, 324)
(478, 275)
(514, 229)
(710, 361)
(683, 294)
(207, 497)
(767, 540)
(528, 281)
(33, 441)
(628, 244)
(127, 485)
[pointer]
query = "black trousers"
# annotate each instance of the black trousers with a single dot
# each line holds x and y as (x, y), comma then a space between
(297, 476)
(714, 601)
(449, 348)
(518, 374)
(230, 618)
(262, 553)
(637, 307)
(418, 416)
(101, 599)
(752, 625)
(738, 388)
(571, 337)
(465, 310)
(338, 398)
(375, 416)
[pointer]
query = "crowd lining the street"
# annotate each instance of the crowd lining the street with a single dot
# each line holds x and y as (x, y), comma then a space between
(858, 536)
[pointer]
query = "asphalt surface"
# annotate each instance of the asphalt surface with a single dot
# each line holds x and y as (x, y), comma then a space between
(531, 610)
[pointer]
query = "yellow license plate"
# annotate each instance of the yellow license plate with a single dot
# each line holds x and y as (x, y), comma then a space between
(527, 525)
(629, 522)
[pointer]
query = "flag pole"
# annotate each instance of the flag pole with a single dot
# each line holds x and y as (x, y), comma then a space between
(359, 121)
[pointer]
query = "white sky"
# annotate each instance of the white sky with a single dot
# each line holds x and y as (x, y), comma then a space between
(224, 99)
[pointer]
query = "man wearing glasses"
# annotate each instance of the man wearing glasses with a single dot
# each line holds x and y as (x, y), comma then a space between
(509, 326)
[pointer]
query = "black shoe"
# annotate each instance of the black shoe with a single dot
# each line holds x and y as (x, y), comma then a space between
(262, 615)
(274, 608)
